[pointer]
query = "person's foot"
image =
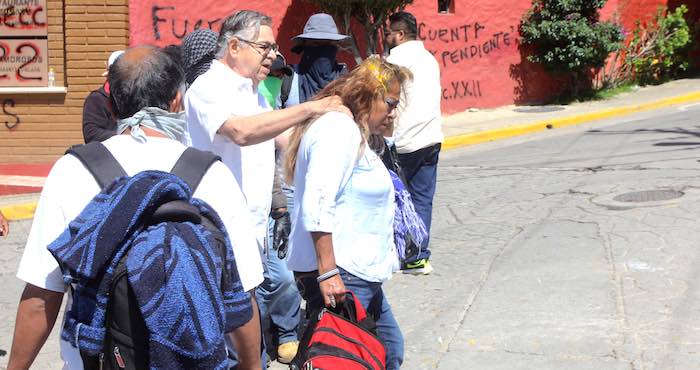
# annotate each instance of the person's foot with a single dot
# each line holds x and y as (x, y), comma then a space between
(287, 351)
(420, 267)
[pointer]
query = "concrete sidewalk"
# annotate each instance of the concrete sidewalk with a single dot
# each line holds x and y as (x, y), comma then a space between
(20, 183)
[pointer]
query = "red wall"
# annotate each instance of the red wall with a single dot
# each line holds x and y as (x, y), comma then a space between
(477, 46)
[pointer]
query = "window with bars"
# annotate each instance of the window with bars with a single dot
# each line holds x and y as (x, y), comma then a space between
(446, 6)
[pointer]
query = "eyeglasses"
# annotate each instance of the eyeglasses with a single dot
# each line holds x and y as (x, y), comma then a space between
(391, 103)
(265, 46)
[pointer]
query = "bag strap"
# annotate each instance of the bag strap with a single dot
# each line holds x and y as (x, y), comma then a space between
(360, 312)
(99, 161)
(286, 88)
(192, 166)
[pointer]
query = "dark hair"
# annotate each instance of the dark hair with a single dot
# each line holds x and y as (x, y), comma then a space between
(407, 23)
(150, 78)
(175, 52)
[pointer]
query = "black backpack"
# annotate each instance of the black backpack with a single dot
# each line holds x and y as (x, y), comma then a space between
(126, 340)
(285, 89)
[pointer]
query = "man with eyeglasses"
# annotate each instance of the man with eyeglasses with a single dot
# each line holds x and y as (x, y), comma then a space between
(226, 115)
(417, 126)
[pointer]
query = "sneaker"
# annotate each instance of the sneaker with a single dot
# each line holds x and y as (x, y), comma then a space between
(420, 267)
(287, 351)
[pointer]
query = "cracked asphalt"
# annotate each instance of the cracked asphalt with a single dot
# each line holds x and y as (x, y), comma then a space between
(535, 266)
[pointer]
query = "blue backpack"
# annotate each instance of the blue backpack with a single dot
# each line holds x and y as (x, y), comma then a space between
(110, 253)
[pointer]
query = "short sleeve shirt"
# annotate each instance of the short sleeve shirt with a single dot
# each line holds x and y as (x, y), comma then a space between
(70, 187)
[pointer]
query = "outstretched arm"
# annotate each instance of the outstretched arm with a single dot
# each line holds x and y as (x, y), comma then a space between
(255, 129)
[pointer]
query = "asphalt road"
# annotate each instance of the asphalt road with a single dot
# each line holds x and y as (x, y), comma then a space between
(537, 264)
(539, 267)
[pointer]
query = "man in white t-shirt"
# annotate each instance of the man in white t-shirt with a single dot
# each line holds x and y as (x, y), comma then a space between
(143, 78)
(417, 127)
(229, 117)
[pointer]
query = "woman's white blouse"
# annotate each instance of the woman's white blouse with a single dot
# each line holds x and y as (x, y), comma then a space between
(344, 191)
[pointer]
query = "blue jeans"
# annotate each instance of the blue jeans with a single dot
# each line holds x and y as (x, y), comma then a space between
(278, 297)
(372, 297)
(420, 169)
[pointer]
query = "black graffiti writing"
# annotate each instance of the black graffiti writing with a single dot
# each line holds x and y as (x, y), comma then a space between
(178, 28)
(497, 41)
(13, 17)
(5, 51)
(6, 112)
(32, 48)
(462, 89)
(461, 33)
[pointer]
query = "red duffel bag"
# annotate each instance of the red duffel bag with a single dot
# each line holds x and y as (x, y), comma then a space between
(343, 338)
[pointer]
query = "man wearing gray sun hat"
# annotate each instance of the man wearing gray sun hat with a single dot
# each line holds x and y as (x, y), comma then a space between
(318, 45)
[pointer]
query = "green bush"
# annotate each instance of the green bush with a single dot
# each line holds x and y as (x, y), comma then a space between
(567, 36)
(658, 49)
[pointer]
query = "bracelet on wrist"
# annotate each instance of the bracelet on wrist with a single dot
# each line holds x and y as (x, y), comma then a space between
(327, 275)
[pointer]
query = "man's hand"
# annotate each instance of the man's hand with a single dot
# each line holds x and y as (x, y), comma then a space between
(330, 104)
(280, 232)
(4, 226)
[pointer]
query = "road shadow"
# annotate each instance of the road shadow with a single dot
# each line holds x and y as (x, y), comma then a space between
(682, 140)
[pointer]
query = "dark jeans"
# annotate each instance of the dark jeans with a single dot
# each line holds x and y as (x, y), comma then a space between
(420, 169)
(372, 298)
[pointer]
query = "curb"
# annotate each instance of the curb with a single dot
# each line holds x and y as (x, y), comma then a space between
(26, 210)
(21, 211)
(517, 130)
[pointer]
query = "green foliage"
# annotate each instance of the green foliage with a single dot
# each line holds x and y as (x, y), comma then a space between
(371, 14)
(658, 49)
(567, 36)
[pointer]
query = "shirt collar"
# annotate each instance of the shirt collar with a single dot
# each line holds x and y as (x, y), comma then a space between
(225, 71)
(406, 47)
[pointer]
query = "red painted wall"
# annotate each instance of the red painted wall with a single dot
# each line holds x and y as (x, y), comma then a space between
(477, 46)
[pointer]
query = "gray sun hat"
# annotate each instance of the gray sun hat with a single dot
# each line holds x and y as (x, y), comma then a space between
(320, 26)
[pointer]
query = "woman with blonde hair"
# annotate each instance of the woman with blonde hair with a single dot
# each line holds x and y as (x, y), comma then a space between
(342, 234)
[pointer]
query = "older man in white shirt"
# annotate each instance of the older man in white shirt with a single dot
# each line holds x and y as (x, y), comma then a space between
(227, 115)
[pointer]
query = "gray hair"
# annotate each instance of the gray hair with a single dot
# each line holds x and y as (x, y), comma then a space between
(242, 24)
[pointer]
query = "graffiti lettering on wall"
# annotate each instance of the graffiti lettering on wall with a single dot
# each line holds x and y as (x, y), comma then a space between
(462, 89)
(164, 21)
(462, 44)
(6, 112)
(23, 18)
(466, 42)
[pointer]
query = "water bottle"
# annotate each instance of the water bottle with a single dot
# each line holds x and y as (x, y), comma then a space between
(51, 77)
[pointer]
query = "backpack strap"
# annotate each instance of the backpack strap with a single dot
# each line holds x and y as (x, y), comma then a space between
(99, 161)
(192, 166)
(286, 88)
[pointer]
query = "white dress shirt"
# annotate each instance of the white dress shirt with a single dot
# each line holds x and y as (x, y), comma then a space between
(214, 97)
